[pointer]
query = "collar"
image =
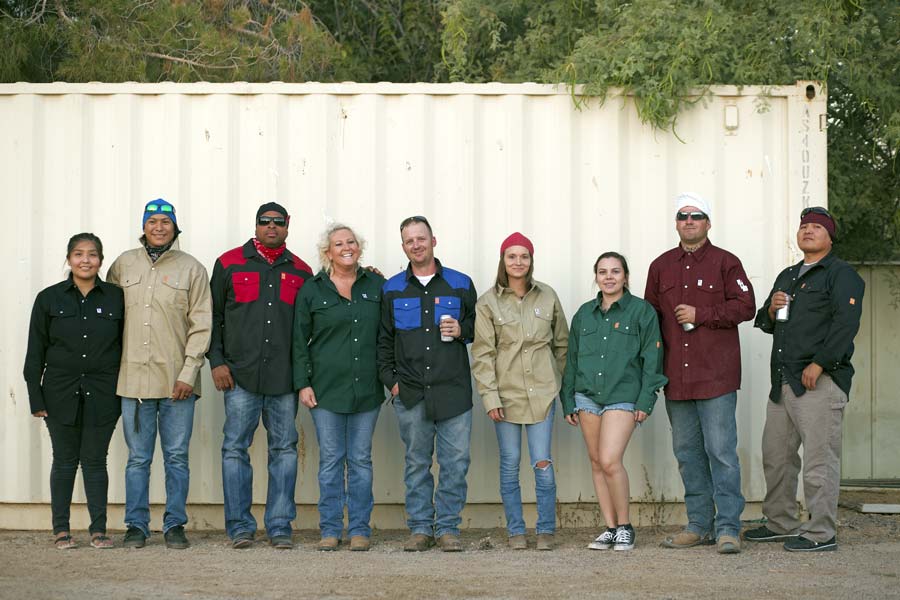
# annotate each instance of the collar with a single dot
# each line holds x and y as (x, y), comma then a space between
(698, 254)
(500, 290)
(824, 262)
(323, 275)
(622, 302)
(438, 271)
(248, 250)
(69, 283)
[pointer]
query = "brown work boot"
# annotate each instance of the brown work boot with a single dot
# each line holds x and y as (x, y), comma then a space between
(517, 542)
(545, 541)
(686, 539)
(418, 542)
(359, 543)
(450, 543)
(728, 544)
(328, 544)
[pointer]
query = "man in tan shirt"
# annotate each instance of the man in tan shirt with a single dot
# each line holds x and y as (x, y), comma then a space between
(168, 320)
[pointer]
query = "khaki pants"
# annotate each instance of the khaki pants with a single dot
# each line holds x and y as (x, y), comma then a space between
(815, 420)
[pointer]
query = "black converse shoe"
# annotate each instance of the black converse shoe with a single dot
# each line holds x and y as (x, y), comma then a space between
(624, 538)
(604, 541)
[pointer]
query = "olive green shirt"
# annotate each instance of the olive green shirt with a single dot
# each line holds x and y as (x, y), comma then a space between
(519, 351)
(334, 343)
(614, 356)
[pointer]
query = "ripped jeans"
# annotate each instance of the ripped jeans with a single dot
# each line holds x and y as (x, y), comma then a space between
(509, 439)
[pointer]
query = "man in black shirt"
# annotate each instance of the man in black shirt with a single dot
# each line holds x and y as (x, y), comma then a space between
(427, 318)
(811, 373)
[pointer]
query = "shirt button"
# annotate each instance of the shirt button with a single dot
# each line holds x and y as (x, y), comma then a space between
(526, 352)
(428, 347)
(356, 358)
(146, 324)
(530, 389)
(685, 345)
(355, 339)
(685, 364)
(685, 287)
(84, 356)
(268, 322)
(779, 349)
(604, 337)
(427, 330)
(87, 393)
(687, 266)
(270, 304)
(152, 268)
(84, 318)
(602, 356)
(599, 373)
(267, 341)
(146, 306)
(270, 285)
(427, 368)
(426, 311)
(84, 336)
(355, 320)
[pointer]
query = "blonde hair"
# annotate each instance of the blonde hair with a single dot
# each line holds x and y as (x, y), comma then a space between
(325, 244)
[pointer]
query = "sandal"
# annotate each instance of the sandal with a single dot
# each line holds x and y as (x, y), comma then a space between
(64, 542)
(101, 542)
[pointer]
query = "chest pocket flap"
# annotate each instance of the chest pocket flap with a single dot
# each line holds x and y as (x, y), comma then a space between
(446, 305)
(407, 313)
(245, 285)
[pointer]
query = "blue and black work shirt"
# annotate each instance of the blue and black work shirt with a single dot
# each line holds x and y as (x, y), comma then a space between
(410, 350)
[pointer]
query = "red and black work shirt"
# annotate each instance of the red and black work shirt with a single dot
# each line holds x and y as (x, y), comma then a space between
(253, 317)
(706, 362)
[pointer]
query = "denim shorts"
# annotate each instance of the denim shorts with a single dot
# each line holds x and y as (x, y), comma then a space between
(583, 403)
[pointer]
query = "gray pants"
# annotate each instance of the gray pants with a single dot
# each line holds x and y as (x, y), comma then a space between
(815, 420)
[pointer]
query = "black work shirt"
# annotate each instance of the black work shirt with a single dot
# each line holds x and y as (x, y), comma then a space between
(253, 317)
(334, 343)
(74, 350)
(826, 305)
(410, 350)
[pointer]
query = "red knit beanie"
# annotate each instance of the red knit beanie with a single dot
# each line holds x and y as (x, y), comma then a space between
(517, 239)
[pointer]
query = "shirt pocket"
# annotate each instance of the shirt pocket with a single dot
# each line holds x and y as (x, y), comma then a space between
(812, 298)
(175, 288)
(624, 339)
(446, 305)
(508, 330)
(712, 291)
(246, 286)
(542, 324)
(589, 339)
(407, 313)
(290, 285)
(131, 289)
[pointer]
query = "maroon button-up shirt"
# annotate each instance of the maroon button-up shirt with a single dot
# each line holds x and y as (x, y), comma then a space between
(706, 362)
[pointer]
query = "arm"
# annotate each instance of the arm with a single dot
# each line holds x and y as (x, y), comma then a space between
(467, 317)
(385, 354)
(560, 343)
(218, 292)
(739, 304)
(300, 357)
(651, 289)
(846, 310)
(199, 318)
(651, 353)
(567, 393)
(484, 357)
(35, 355)
(765, 316)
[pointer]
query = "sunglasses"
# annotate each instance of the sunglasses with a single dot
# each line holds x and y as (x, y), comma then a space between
(162, 208)
(696, 216)
(816, 210)
(415, 219)
(264, 221)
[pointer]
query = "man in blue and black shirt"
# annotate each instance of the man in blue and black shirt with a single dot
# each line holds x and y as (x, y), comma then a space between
(427, 318)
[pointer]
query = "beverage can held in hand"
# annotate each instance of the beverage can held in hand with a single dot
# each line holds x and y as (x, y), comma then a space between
(783, 313)
(446, 338)
(688, 326)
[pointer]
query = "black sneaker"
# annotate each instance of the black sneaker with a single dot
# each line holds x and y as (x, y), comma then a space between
(801, 544)
(764, 534)
(624, 538)
(604, 541)
(134, 538)
(175, 538)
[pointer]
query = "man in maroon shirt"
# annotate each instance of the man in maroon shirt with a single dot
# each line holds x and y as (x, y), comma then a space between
(701, 293)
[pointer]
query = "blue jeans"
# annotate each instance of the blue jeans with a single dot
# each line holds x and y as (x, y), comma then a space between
(242, 412)
(428, 511)
(175, 421)
(345, 442)
(704, 439)
(509, 439)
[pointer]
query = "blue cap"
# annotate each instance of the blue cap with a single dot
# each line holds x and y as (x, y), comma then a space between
(160, 207)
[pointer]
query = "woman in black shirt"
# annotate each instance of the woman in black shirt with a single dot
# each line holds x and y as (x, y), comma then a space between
(71, 369)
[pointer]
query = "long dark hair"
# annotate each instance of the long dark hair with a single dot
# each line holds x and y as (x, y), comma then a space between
(84, 237)
(618, 257)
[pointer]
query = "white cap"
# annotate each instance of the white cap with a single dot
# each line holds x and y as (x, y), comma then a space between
(692, 199)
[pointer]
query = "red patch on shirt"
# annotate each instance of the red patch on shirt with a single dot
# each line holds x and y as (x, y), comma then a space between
(852, 301)
(437, 300)
(616, 326)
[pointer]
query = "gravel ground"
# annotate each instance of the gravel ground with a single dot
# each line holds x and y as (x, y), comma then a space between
(867, 565)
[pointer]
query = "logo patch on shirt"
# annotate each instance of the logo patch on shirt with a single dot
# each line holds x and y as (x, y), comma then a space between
(657, 343)
(852, 301)
(616, 326)
(365, 296)
(699, 283)
(283, 275)
(537, 311)
(802, 285)
(743, 286)
(437, 300)
(100, 310)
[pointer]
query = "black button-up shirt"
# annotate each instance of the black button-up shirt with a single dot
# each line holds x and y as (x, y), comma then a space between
(74, 349)
(253, 317)
(826, 305)
(410, 350)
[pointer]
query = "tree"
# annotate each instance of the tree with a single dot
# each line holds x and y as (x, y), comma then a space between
(662, 50)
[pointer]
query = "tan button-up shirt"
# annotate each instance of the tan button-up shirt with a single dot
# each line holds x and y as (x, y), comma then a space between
(168, 321)
(519, 352)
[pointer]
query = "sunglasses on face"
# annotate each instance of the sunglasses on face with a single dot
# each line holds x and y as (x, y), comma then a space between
(696, 216)
(264, 221)
(816, 210)
(160, 208)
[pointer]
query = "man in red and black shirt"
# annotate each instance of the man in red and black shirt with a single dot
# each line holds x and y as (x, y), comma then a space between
(253, 291)
(701, 294)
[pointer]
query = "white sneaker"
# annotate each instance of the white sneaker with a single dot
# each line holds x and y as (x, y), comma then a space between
(624, 539)
(604, 541)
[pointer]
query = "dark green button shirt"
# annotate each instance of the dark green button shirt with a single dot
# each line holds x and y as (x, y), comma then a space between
(334, 343)
(614, 357)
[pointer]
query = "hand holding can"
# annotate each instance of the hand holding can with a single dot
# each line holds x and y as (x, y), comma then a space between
(784, 313)
(445, 338)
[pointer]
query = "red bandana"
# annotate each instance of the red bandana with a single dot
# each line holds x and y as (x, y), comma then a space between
(270, 254)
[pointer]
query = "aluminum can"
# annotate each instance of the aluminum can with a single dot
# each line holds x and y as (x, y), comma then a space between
(446, 338)
(688, 326)
(783, 313)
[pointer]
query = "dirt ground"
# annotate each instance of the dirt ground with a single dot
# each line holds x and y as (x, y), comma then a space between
(867, 565)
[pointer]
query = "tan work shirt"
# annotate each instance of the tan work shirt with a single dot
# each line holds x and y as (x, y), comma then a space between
(519, 352)
(168, 321)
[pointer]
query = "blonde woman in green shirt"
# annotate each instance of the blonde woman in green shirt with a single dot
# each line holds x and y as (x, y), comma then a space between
(612, 376)
(518, 356)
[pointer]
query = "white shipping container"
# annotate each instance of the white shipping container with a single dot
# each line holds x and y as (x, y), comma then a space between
(480, 161)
